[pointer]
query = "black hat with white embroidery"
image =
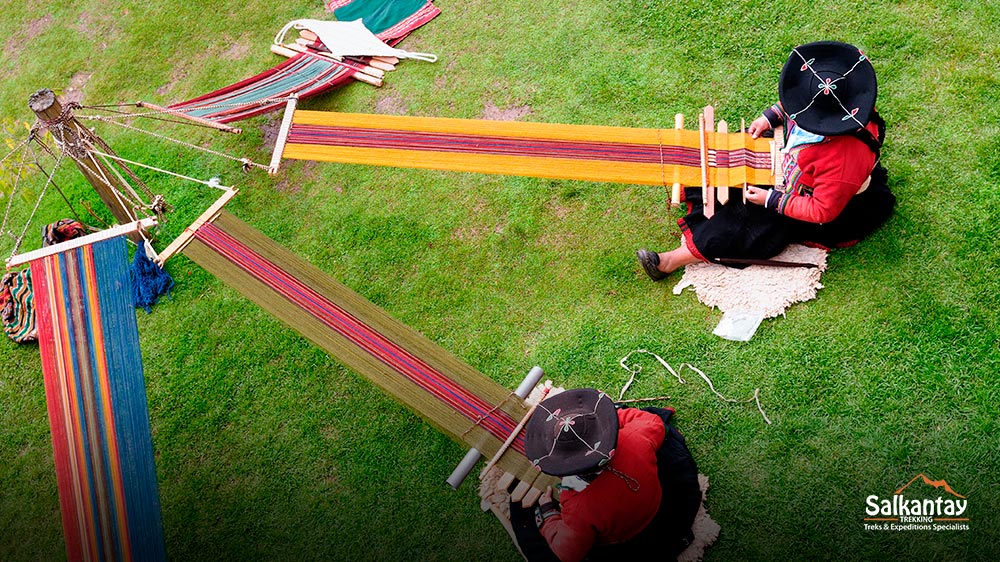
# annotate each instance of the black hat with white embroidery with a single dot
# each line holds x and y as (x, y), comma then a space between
(573, 432)
(828, 87)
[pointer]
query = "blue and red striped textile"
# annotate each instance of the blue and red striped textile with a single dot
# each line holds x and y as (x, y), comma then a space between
(96, 396)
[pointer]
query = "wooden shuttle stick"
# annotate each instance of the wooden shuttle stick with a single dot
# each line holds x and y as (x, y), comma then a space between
(513, 434)
(743, 129)
(703, 151)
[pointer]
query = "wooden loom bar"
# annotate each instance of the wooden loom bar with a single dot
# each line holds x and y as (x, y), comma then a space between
(209, 215)
(743, 129)
(116, 230)
(473, 455)
(675, 191)
(703, 152)
(722, 191)
(291, 50)
(513, 434)
(372, 68)
(303, 46)
(708, 193)
(386, 64)
(279, 144)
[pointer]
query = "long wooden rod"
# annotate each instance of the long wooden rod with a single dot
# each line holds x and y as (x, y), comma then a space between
(117, 230)
(513, 434)
(279, 144)
(185, 237)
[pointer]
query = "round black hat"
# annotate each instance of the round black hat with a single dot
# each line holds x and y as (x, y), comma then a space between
(828, 87)
(573, 432)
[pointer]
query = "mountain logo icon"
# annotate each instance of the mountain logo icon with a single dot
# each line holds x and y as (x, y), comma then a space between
(914, 507)
(938, 484)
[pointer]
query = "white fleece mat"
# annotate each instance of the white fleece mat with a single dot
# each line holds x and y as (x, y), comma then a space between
(756, 292)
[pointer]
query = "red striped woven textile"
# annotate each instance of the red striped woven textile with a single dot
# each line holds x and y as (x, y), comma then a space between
(435, 384)
(558, 151)
(304, 75)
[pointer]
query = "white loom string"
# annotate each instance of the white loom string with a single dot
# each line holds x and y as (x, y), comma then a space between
(636, 369)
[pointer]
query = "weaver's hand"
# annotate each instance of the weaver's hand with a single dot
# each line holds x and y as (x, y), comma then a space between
(758, 126)
(546, 496)
(757, 195)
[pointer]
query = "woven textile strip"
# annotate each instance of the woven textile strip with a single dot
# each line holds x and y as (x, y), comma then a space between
(448, 393)
(305, 74)
(96, 396)
(574, 152)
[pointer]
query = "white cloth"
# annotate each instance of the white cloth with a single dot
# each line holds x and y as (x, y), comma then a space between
(574, 483)
(350, 38)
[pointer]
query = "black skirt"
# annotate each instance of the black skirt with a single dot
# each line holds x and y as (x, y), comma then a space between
(739, 230)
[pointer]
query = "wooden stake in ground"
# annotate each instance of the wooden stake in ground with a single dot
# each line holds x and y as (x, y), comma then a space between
(75, 140)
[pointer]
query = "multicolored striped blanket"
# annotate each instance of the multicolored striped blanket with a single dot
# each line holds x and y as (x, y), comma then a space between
(306, 75)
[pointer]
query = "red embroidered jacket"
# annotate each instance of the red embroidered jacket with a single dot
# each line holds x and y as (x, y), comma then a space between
(821, 178)
(608, 511)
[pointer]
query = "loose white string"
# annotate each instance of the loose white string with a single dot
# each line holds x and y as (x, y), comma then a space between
(636, 369)
(214, 182)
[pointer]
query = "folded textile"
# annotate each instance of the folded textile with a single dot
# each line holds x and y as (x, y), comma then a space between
(349, 38)
(17, 306)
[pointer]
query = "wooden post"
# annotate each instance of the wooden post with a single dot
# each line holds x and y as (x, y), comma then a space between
(74, 138)
(707, 210)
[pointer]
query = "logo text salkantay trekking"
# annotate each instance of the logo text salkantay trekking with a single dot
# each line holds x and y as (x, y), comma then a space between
(904, 511)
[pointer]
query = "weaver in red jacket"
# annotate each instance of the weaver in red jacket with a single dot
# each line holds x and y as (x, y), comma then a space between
(629, 484)
(834, 191)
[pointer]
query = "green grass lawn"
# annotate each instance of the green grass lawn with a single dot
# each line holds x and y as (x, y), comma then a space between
(268, 449)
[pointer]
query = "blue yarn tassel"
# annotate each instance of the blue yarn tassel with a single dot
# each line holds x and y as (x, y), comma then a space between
(149, 280)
